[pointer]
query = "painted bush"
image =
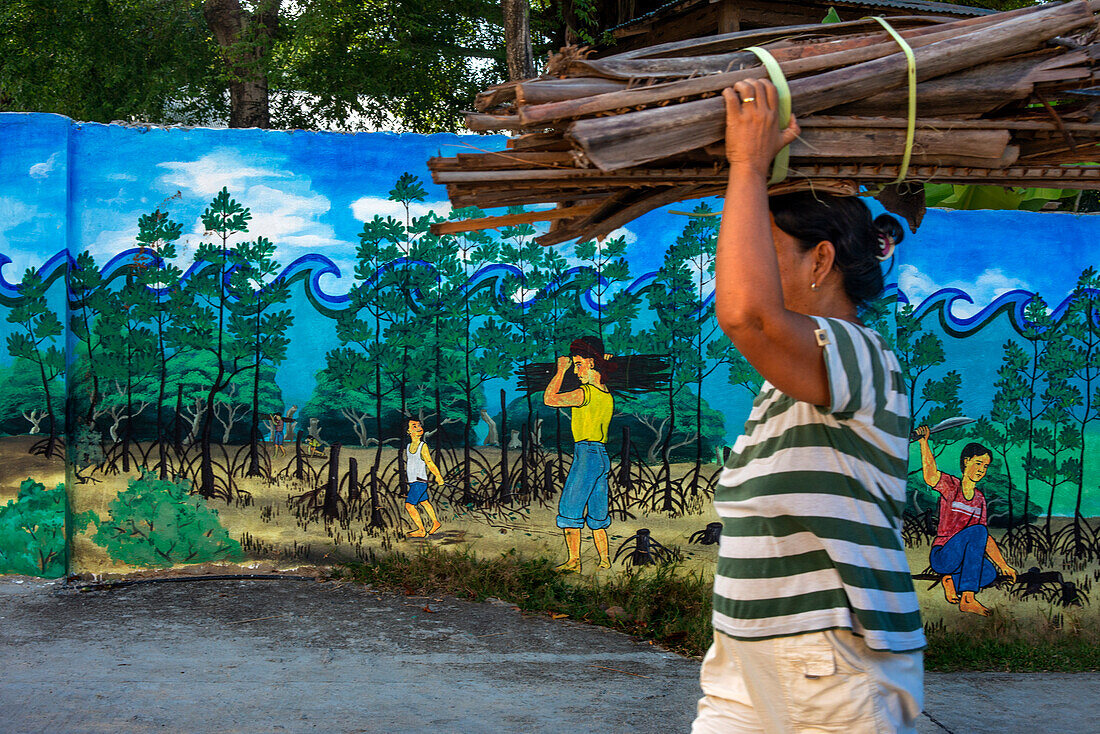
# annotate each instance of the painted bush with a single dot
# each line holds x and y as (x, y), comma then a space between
(159, 523)
(33, 533)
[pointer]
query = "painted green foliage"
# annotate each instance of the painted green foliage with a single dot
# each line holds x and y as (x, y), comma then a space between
(34, 340)
(32, 531)
(158, 523)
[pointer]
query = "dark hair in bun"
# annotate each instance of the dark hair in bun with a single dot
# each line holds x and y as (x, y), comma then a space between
(861, 243)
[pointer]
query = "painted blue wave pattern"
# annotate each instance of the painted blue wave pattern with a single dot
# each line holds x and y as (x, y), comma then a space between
(310, 269)
(1013, 303)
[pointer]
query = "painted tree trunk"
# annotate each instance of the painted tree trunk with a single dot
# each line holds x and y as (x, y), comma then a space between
(254, 435)
(353, 480)
(177, 438)
(299, 465)
(331, 506)
(504, 490)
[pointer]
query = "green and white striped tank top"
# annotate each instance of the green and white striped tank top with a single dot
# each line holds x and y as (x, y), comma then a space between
(811, 501)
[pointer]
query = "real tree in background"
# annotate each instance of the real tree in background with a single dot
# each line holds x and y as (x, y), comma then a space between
(105, 60)
(518, 54)
(245, 37)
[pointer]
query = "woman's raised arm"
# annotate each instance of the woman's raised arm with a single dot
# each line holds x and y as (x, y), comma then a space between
(752, 268)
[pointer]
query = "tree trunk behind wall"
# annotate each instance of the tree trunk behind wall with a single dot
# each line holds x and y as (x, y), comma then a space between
(245, 39)
(517, 39)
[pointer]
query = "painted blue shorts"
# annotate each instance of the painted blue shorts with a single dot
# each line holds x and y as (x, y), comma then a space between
(963, 558)
(584, 497)
(418, 492)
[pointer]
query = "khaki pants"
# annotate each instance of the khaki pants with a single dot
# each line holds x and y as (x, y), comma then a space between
(816, 682)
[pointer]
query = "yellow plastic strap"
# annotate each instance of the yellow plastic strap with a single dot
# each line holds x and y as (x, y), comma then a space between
(782, 158)
(911, 129)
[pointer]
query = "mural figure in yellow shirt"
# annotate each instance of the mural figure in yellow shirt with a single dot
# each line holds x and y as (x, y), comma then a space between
(584, 497)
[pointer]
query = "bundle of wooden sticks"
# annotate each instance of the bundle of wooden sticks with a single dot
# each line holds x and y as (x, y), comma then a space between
(1003, 99)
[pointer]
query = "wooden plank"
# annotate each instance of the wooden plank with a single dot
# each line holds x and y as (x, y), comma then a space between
(543, 91)
(941, 123)
(509, 220)
(501, 160)
(495, 95)
(793, 60)
(552, 141)
(480, 122)
(969, 50)
(497, 198)
(729, 17)
(878, 143)
(634, 138)
(724, 43)
(976, 91)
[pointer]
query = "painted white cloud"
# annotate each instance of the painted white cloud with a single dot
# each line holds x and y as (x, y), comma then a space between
(14, 212)
(282, 216)
(284, 207)
(28, 235)
(368, 207)
(625, 233)
(983, 290)
(42, 171)
(216, 170)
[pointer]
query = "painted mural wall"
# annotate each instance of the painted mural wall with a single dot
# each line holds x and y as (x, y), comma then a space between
(236, 346)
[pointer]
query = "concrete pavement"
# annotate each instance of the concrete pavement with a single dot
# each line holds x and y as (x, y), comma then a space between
(300, 656)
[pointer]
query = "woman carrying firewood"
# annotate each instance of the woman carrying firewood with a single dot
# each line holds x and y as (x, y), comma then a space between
(816, 621)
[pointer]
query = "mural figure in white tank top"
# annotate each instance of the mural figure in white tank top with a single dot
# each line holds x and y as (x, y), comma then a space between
(418, 465)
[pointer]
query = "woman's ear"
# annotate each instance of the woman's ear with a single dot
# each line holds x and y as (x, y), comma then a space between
(824, 256)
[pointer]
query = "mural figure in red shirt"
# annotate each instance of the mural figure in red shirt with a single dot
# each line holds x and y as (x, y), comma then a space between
(963, 551)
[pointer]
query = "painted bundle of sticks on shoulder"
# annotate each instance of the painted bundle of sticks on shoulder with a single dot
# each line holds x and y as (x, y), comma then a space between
(1003, 99)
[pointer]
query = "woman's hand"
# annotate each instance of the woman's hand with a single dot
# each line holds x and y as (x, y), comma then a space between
(753, 137)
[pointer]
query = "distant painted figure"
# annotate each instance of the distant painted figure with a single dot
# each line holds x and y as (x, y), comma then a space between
(277, 433)
(418, 464)
(963, 549)
(584, 499)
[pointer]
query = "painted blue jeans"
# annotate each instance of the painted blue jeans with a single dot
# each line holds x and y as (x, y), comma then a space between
(584, 497)
(963, 557)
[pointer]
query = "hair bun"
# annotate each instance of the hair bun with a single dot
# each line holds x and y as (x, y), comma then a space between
(890, 233)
